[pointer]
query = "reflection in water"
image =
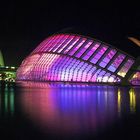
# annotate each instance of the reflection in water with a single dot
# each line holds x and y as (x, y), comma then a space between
(132, 100)
(7, 97)
(71, 109)
(119, 102)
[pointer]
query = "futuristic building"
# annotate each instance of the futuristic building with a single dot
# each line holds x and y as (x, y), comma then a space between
(76, 58)
(7, 73)
(1, 59)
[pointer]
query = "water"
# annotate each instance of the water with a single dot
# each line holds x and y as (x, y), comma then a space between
(65, 112)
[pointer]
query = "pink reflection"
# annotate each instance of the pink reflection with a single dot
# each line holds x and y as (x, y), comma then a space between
(66, 109)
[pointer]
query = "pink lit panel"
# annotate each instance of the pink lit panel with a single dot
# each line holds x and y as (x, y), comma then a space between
(55, 42)
(135, 80)
(74, 49)
(94, 77)
(100, 76)
(84, 48)
(48, 45)
(98, 55)
(107, 58)
(126, 67)
(43, 44)
(66, 43)
(60, 43)
(91, 51)
(116, 62)
(27, 66)
(74, 41)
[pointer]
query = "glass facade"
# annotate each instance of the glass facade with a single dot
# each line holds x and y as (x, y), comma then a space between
(74, 58)
(135, 80)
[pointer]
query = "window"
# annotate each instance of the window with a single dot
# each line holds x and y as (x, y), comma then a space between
(116, 62)
(91, 51)
(98, 55)
(107, 58)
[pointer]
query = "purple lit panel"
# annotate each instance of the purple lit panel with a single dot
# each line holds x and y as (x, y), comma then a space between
(55, 74)
(65, 69)
(106, 77)
(37, 72)
(135, 80)
(98, 55)
(75, 48)
(74, 41)
(61, 67)
(91, 51)
(43, 44)
(86, 72)
(54, 68)
(100, 76)
(69, 69)
(56, 42)
(27, 66)
(42, 65)
(111, 78)
(117, 80)
(47, 70)
(126, 67)
(107, 58)
(89, 74)
(68, 41)
(79, 71)
(116, 62)
(60, 43)
(49, 45)
(84, 48)
(73, 71)
(94, 77)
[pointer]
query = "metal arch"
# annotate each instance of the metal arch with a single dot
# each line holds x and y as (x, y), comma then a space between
(95, 40)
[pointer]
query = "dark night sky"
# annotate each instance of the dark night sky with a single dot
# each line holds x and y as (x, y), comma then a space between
(24, 25)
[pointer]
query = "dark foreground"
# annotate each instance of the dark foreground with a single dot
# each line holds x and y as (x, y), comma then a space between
(63, 112)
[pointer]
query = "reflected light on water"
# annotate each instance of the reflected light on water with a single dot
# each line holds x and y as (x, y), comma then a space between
(73, 109)
(119, 102)
(70, 109)
(132, 100)
(7, 101)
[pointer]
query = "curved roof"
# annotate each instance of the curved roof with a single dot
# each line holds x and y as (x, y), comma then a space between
(121, 42)
(76, 58)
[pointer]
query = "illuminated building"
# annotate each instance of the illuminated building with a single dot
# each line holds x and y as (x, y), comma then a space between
(7, 73)
(77, 58)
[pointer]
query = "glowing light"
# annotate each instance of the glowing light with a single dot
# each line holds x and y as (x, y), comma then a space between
(111, 79)
(134, 40)
(132, 101)
(119, 101)
(12, 67)
(72, 58)
(135, 80)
